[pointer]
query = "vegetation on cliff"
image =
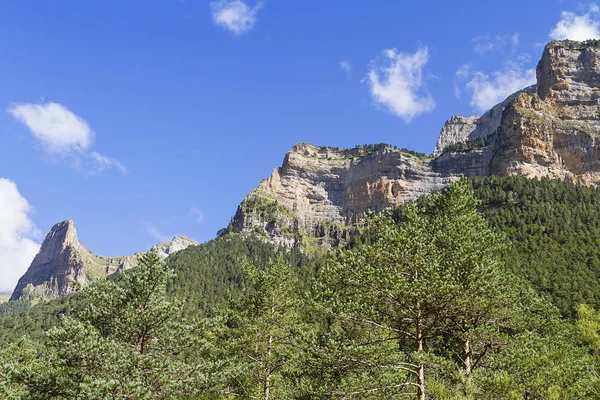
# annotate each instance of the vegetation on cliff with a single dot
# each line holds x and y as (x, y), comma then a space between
(472, 144)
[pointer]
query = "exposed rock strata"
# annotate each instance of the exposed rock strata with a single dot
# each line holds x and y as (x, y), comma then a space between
(458, 128)
(319, 186)
(319, 194)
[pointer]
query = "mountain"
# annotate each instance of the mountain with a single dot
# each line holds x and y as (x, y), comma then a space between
(546, 130)
(319, 195)
(63, 260)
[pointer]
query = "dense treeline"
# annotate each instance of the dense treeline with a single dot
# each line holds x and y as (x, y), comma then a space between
(212, 274)
(435, 300)
(554, 232)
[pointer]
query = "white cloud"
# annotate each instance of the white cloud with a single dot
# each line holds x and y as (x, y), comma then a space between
(234, 15)
(487, 44)
(17, 248)
(489, 90)
(197, 214)
(577, 27)
(64, 134)
(396, 82)
(55, 126)
(346, 67)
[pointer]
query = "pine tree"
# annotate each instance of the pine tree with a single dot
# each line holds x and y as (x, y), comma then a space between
(431, 271)
(263, 333)
(129, 342)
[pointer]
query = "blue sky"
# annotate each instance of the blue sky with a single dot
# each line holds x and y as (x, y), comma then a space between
(141, 120)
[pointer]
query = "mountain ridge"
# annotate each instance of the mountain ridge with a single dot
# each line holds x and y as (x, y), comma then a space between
(546, 130)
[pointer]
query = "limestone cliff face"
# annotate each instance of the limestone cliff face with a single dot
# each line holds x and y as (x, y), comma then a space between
(556, 132)
(319, 190)
(551, 129)
(63, 260)
(458, 128)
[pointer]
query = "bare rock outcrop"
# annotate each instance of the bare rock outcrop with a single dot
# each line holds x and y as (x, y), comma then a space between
(556, 133)
(320, 194)
(318, 188)
(178, 243)
(64, 264)
(459, 129)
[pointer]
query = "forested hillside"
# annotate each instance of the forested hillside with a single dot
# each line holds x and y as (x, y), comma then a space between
(554, 231)
(487, 290)
(553, 228)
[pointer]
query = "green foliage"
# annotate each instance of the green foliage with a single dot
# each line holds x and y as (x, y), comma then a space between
(20, 318)
(261, 340)
(268, 210)
(207, 276)
(472, 144)
(429, 284)
(211, 275)
(554, 234)
(441, 286)
(129, 341)
(595, 43)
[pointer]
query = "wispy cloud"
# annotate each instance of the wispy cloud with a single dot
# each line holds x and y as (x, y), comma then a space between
(460, 76)
(577, 27)
(487, 90)
(64, 134)
(488, 44)
(156, 234)
(101, 163)
(197, 214)
(396, 82)
(17, 233)
(235, 15)
(346, 67)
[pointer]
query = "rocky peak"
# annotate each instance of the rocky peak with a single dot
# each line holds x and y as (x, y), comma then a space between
(64, 264)
(178, 243)
(555, 133)
(319, 190)
(569, 78)
(61, 236)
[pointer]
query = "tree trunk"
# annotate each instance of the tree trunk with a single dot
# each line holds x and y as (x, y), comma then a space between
(267, 381)
(421, 370)
(467, 357)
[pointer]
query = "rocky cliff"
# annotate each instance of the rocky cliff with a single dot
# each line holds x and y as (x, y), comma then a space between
(555, 132)
(459, 129)
(318, 191)
(64, 263)
(550, 129)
